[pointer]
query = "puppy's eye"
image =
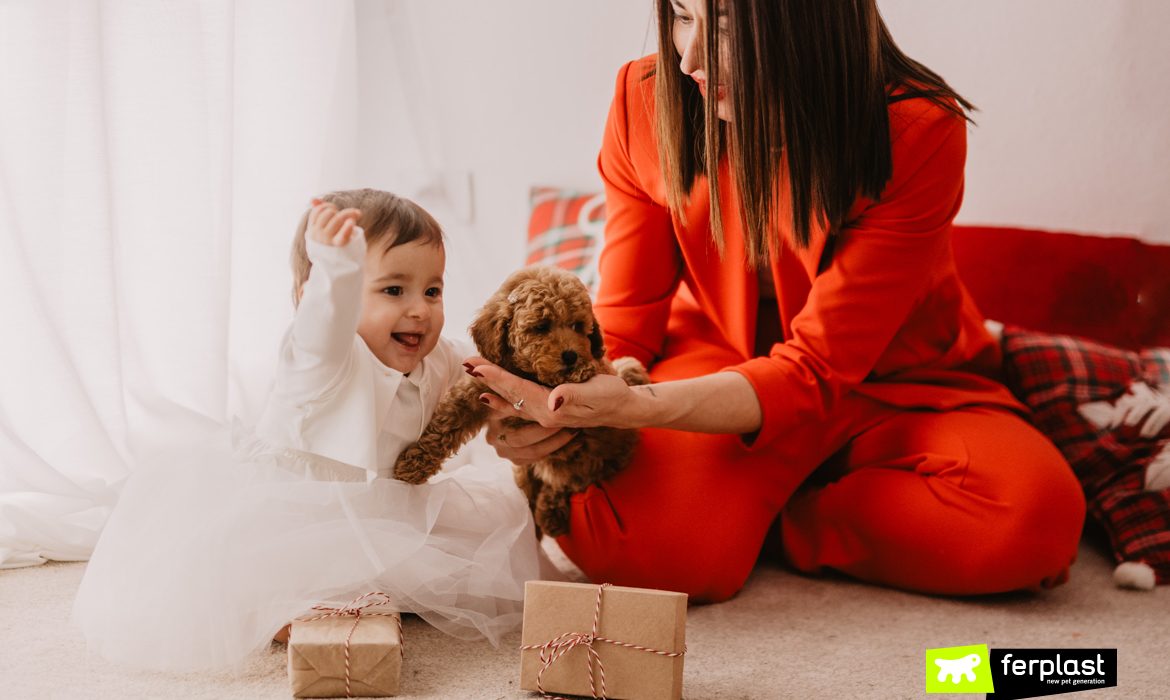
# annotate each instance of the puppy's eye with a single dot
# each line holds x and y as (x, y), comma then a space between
(543, 327)
(579, 326)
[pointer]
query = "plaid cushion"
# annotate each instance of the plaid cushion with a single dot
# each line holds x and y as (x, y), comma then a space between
(1057, 375)
(565, 230)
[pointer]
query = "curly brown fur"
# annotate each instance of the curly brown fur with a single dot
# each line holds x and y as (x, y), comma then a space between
(538, 325)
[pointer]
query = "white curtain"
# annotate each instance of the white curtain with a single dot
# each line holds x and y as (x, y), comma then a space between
(154, 160)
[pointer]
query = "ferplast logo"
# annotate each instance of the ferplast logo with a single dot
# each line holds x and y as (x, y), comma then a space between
(959, 670)
(1009, 674)
(1053, 669)
(1033, 673)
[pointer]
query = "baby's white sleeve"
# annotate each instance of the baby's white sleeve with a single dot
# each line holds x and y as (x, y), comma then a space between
(326, 319)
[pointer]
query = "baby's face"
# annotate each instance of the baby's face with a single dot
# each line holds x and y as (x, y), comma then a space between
(402, 302)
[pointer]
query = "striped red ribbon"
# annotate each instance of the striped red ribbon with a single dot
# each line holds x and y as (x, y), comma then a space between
(552, 651)
(356, 609)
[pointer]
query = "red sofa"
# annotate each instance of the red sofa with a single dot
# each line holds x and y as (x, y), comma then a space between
(1112, 289)
(1113, 295)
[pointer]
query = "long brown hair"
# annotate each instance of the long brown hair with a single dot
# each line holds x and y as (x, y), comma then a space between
(809, 87)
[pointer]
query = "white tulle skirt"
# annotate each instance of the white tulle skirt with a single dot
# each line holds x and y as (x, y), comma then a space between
(206, 558)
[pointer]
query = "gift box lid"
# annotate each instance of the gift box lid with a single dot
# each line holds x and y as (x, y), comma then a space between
(632, 616)
(316, 654)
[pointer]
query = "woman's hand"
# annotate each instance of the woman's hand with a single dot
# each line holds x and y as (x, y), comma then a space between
(604, 400)
(556, 412)
(723, 402)
(526, 444)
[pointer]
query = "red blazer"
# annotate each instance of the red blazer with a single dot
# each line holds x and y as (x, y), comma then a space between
(888, 317)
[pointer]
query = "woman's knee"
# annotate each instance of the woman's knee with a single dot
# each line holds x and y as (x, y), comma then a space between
(1048, 522)
(1033, 542)
(689, 514)
(1040, 511)
(1046, 501)
(704, 570)
(708, 558)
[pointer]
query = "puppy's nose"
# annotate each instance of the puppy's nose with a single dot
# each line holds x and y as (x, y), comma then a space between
(569, 358)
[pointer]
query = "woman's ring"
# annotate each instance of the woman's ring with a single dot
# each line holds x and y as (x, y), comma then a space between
(518, 405)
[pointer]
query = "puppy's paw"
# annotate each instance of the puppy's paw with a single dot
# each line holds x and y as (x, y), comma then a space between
(631, 371)
(553, 522)
(415, 466)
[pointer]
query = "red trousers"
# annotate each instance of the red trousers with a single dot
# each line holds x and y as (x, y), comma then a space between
(960, 502)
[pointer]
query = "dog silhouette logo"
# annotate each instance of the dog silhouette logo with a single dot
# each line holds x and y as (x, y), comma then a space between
(959, 670)
(956, 668)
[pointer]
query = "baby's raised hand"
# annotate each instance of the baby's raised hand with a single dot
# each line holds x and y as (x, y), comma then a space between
(329, 226)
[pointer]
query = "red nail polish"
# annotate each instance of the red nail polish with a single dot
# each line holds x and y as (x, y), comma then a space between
(560, 400)
(475, 374)
(468, 366)
(483, 400)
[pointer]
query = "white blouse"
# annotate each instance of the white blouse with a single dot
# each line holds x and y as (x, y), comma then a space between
(332, 396)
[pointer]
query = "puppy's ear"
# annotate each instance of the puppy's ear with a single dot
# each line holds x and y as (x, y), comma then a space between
(596, 342)
(490, 328)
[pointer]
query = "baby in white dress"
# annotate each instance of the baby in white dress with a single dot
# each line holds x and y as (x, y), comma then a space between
(212, 552)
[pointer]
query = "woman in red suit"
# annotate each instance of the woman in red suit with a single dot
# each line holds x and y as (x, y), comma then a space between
(781, 181)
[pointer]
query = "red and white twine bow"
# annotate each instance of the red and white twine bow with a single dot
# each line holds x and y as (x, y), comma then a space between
(356, 609)
(552, 651)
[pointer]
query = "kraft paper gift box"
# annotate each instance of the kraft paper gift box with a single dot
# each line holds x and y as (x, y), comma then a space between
(557, 615)
(316, 656)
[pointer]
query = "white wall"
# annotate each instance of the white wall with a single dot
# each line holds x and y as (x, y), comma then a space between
(518, 93)
(1074, 127)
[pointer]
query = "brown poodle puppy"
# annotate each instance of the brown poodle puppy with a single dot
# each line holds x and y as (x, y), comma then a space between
(538, 325)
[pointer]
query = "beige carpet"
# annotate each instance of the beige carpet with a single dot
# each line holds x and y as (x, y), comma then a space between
(784, 636)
